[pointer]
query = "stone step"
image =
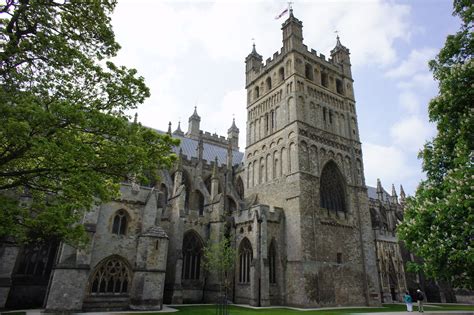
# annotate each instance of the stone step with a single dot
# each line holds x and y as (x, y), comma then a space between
(106, 303)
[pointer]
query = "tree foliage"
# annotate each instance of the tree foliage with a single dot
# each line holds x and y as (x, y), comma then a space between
(65, 140)
(439, 220)
(219, 257)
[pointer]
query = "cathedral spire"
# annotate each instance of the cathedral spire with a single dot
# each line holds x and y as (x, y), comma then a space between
(169, 128)
(379, 190)
(402, 195)
(394, 194)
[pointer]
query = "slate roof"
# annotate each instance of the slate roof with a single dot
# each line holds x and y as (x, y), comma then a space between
(372, 192)
(189, 147)
(210, 152)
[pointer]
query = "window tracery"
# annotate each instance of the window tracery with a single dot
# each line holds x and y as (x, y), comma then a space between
(245, 259)
(332, 196)
(112, 276)
(192, 248)
(119, 225)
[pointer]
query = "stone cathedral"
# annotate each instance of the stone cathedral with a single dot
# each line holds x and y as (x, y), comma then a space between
(306, 229)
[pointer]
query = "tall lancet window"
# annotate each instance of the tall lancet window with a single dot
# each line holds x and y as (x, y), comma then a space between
(192, 251)
(272, 262)
(245, 259)
(119, 225)
(331, 191)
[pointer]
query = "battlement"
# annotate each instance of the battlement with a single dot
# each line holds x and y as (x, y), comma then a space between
(206, 135)
(278, 56)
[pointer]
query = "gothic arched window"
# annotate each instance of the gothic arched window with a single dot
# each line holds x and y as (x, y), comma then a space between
(339, 86)
(231, 204)
(324, 79)
(187, 187)
(272, 262)
(281, 74)
(119, 225)
(308, 71)
(192, 248)
(197, 201)
(239, 187)
(269, 83)
(331, 190)
(245, 259)
(36, 259)
(112, 276)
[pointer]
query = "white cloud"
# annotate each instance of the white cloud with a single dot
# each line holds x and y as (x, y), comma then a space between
(223, 29)
(192, 53)
(411, 133)
(420, 81)
(416, 62)
(388, 163)
(409, 101)
(221, 117)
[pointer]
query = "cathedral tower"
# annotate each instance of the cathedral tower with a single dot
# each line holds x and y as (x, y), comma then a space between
(303, 154)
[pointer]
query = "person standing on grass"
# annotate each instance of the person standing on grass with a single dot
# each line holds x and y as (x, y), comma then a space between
(420, 296)
(408, 301)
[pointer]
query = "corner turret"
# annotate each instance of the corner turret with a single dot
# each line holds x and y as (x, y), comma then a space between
(194, 122)
(340, 55)
(233, 135)
(292, 33)
(253, 65)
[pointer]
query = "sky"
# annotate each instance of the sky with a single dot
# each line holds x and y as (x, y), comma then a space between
(191, 53)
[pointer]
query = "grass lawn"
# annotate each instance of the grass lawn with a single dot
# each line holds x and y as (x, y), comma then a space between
(235, 310)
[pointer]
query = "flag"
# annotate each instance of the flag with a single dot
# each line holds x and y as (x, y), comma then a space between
(281, 14)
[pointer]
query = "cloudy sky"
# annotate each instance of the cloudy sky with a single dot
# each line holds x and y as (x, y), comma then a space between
(192, 53)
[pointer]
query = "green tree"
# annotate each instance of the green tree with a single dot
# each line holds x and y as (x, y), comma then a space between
(65, 140)
(219, 258)
(439, 220)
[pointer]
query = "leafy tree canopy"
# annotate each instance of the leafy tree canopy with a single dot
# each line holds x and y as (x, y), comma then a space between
(219, 257)
(65, 140)
(439, 220)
